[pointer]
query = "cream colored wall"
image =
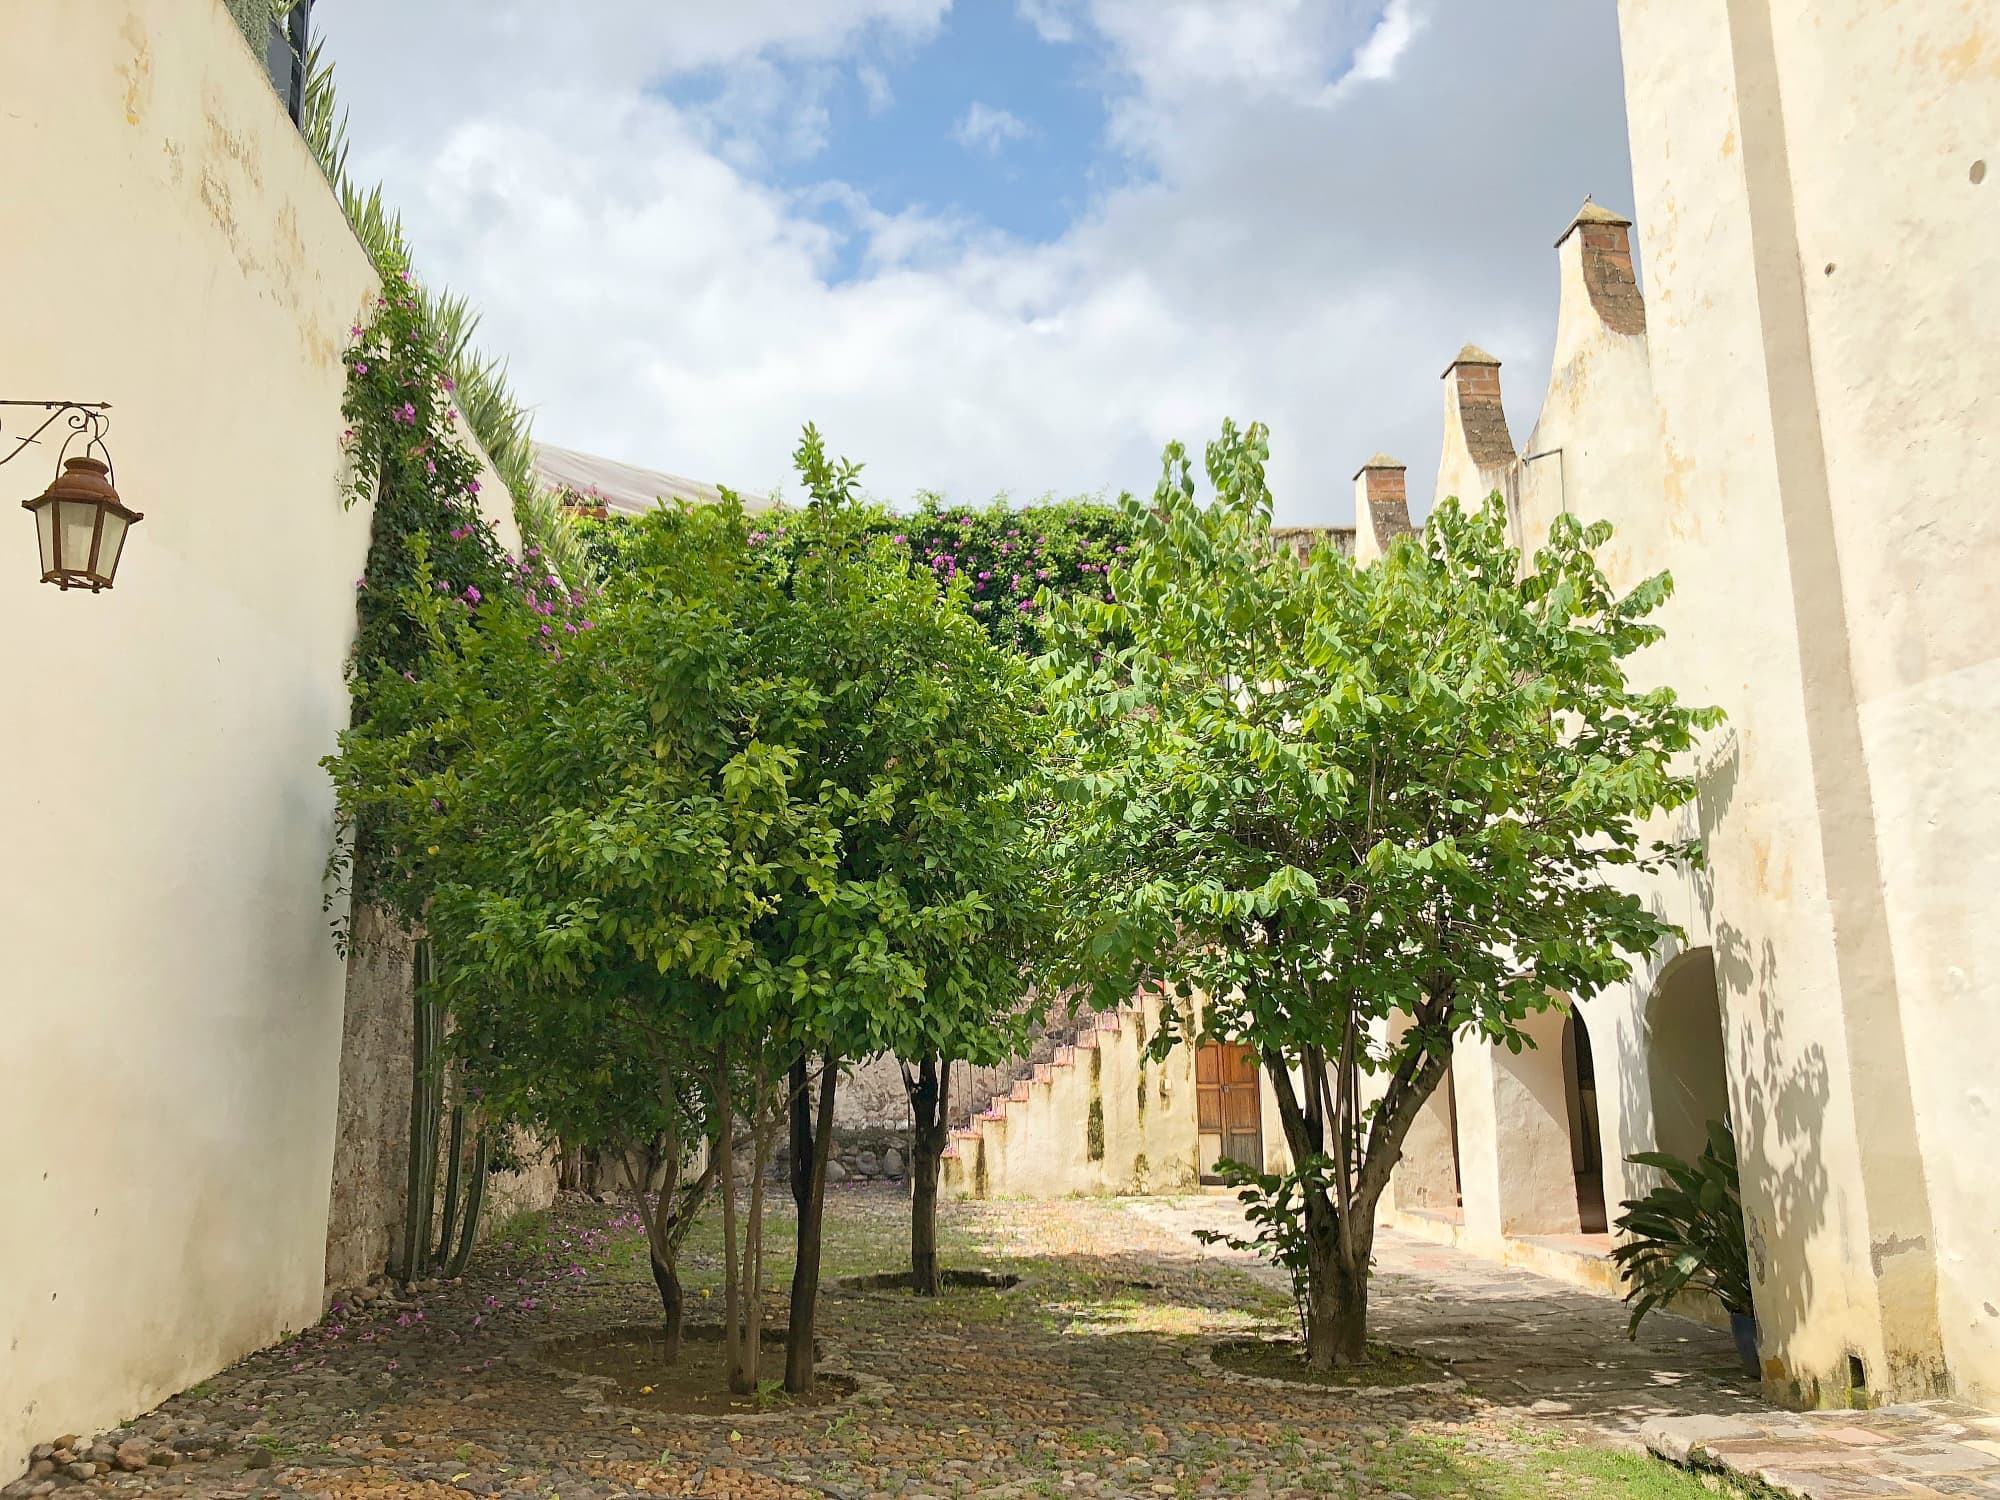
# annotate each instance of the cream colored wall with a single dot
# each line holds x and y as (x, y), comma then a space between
(1830, 488)
(1038, 1144)
(172, 1001)
(1890, 130)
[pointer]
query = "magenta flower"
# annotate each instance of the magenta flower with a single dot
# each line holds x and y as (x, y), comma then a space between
(472, 594)
(901, 540)
(360, 368)
(546, 630)
(361, 583)
(472, 486)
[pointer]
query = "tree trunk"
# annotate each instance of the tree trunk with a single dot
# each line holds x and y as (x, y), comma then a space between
(668, 1280)
(1336, 1315)
(741, 1381)
(812, 1218)
(801, 1143)
(929, 1110)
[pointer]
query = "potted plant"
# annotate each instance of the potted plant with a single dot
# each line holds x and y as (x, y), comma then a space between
(1687, 1234)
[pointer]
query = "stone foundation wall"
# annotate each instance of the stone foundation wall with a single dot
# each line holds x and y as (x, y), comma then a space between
(372, 1123)
(860, 1154)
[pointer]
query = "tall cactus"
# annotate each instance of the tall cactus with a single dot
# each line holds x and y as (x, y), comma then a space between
(460, 1223)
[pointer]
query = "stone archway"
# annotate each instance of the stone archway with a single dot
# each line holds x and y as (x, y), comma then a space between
(1686, 1069)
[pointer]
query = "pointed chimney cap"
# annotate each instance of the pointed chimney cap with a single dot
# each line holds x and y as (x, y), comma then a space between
(1471, 354)
(1593, 212)
(1379, 461)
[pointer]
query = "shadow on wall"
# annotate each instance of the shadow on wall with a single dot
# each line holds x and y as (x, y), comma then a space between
(1715, 1038)
(1778, 1137)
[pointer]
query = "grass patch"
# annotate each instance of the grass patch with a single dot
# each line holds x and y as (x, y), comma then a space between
(1427, 1466)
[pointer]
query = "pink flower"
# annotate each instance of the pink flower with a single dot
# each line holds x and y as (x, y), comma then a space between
(472, 594)
(361, 583)
(472, 486)
(546, 630)
(360, 368)
(355, 331)
(901, 540)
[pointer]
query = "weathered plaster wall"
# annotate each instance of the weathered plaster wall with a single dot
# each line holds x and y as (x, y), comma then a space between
(1889, 132)
(1812, 219)
(1101, 1118)
(160, 899)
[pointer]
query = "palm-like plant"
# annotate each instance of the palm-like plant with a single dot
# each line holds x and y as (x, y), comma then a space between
(494, 414)
(1687, 1233)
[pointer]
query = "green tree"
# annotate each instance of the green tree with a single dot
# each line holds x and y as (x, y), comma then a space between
(1345, 814)
(922, 726)
(750, 815)
(586, 893)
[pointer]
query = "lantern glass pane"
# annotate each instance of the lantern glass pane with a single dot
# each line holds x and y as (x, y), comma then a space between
(109, 544)
(45, 531)
(78, 524)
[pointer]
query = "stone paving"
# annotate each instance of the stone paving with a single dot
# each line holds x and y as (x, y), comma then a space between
(1933, 1448)
(1559, 1354)
(1529, 1344)
(1088, 1382)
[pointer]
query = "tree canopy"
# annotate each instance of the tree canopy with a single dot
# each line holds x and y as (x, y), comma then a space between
(1348, 813)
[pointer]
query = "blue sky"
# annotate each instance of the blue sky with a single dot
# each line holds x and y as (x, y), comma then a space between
(993, 246)
(984, 119)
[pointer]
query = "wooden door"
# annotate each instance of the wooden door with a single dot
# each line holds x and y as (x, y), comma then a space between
(1229, 1107)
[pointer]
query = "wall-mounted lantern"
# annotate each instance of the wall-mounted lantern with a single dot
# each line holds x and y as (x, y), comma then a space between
(79, 519)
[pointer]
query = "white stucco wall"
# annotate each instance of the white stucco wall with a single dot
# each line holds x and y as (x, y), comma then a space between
(1814, 231)
(1891, 124)
(171, 1022)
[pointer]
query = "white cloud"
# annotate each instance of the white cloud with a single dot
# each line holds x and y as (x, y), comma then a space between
(985, 128)
(875, 88)
(1288, 258)
(1053, 20)
(1376, 58)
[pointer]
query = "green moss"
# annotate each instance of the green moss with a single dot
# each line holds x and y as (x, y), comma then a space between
(1094, 1132)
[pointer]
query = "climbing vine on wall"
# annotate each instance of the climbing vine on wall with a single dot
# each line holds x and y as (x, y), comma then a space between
(406, 458)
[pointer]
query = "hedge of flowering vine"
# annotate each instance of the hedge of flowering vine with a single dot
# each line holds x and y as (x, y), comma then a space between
(408, 460)
(1002, 556)
(1006, 557)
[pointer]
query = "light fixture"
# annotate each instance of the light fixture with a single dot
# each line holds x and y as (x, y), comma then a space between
(79, 519)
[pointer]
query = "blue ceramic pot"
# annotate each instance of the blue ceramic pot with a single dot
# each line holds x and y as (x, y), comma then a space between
(1743, 1328)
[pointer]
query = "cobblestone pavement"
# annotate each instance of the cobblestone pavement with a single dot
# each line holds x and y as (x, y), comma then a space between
(1559, 1354)
(1528, 1343)
(1080, 1383)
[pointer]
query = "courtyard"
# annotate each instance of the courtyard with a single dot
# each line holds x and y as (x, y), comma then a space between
(1084, 1379)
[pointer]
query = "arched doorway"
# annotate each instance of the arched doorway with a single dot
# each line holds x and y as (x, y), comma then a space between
(1687, 1075)
(1586, 1138)
(1428, 1177)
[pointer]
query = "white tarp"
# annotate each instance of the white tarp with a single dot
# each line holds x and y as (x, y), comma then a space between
(625, 488)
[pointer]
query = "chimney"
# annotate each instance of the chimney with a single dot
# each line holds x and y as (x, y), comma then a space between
(1605, 243)
(1381, 507)
(1472, 398)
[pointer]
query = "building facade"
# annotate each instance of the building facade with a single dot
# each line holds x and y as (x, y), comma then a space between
(1796, 421)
